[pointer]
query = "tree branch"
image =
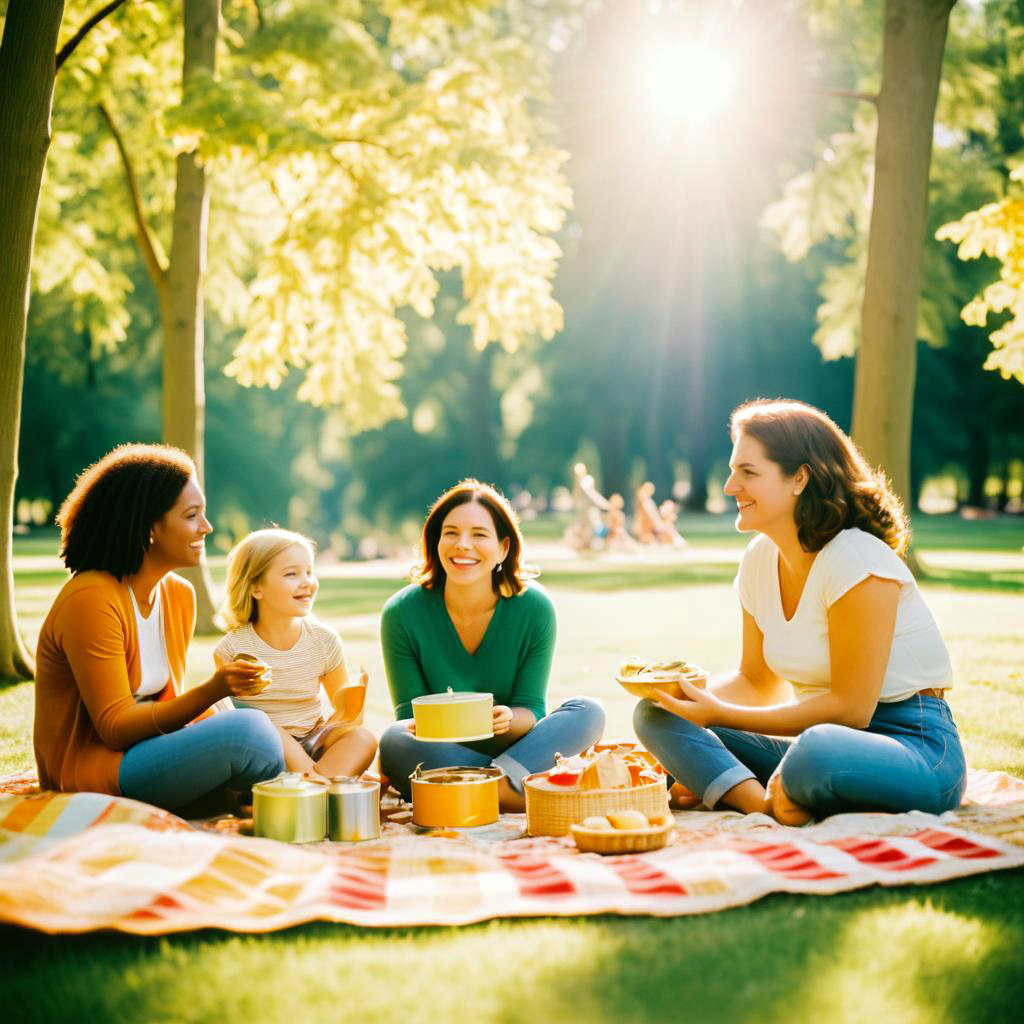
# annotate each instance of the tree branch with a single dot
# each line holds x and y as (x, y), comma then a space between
(69, 47)
(850, 94)
(152, 252)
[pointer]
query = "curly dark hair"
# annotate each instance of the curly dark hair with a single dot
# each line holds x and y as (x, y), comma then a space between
(842, 491)
(511, 580)
(105, 521)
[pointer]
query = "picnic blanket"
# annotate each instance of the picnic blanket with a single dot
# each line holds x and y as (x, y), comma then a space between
(83, 861)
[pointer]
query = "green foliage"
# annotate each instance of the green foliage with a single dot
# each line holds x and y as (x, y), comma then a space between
(828, 207)
(997, 230)
(356, 150)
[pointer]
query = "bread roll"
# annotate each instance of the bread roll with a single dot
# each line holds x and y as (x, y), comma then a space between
(628, 819)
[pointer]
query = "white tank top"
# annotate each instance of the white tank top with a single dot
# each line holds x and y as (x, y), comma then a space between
(152, 650)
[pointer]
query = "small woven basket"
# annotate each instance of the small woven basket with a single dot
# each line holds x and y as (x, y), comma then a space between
(550, 813)
(634, 840)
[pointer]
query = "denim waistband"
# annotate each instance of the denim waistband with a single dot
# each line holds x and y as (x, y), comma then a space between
(916, 710)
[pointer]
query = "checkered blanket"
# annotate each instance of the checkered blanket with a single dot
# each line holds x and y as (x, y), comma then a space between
(78, 862)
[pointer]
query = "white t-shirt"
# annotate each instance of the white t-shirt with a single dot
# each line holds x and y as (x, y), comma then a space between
(798, 649)
(155, 672)
(293, 699)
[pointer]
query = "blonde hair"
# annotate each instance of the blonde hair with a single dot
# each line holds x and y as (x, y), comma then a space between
(248, 560)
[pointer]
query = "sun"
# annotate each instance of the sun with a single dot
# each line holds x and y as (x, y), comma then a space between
(686, 84)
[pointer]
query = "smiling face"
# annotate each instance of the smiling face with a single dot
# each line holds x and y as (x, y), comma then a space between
(765, 497)
(469, 548)
(178, 536)
(288, 585)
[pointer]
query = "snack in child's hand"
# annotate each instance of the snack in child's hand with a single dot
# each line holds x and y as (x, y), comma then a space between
(627, 819)
(598, 823)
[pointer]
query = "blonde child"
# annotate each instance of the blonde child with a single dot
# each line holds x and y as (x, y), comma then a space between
(270, 590)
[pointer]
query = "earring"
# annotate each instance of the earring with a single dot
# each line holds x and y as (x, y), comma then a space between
(497, 568)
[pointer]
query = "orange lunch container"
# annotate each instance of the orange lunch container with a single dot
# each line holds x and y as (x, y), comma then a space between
(460, 797)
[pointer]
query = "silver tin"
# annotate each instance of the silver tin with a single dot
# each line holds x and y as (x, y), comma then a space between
(290, 808)
(353, 810)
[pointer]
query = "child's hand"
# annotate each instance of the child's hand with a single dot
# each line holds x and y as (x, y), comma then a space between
(501, 720)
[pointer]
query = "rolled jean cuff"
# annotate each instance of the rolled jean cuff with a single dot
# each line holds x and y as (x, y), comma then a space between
(514, 771)
(718, 787)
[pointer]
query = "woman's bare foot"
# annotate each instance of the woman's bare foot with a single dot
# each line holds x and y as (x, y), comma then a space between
(783, 809)
(681, 798)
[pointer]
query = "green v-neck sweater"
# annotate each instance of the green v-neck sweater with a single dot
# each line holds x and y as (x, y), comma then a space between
(423, 652)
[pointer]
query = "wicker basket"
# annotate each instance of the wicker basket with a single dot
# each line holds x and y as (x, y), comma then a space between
(634, 840)
(551, 814)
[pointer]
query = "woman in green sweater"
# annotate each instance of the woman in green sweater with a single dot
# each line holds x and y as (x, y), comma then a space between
(471, 622)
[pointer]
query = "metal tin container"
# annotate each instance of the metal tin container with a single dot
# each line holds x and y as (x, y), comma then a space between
(290, 808)
(460, 797)
(453, 717)
(353, 810)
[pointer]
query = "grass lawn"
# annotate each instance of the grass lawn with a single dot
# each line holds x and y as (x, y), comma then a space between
(949, 952)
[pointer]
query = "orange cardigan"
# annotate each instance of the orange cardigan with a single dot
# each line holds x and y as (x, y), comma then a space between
(87, 669)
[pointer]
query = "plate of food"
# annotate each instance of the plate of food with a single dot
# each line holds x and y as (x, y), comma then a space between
(640, 678)
(627, 831)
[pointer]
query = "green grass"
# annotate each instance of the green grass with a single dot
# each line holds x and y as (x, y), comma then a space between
(950, 952)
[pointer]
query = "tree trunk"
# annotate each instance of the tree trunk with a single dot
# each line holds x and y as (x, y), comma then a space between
(978, 451)
(27, 71)
(484, 418)
(181, 294)
(611, 451)
(914, 40)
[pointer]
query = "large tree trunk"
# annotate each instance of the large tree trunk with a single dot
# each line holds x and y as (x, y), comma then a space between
(181, 298)
(27, 71)
(914, 40)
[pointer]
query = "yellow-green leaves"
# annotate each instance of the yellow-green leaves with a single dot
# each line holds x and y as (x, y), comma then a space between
(355, 151)
(997, 230)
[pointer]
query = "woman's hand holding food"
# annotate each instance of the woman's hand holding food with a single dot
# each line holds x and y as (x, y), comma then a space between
(501, 720)
(696, 706)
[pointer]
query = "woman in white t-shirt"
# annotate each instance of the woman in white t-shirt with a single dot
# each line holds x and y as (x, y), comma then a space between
(839, 649)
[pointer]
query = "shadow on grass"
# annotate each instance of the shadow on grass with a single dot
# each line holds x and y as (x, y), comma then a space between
(949, 952)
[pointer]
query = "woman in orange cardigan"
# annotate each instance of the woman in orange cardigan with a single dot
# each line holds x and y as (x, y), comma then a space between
(110, 712)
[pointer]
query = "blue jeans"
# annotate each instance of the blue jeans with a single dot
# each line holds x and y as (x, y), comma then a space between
(908, 758)
(232, 748)
(570, 728)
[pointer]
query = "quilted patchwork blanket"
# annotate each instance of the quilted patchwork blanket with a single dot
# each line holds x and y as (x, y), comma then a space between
(84, 861)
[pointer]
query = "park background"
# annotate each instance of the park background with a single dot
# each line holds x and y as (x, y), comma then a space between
(363, 249)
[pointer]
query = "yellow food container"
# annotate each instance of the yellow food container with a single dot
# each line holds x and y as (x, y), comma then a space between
(458, 797)
(453, 717)
(290, 808)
